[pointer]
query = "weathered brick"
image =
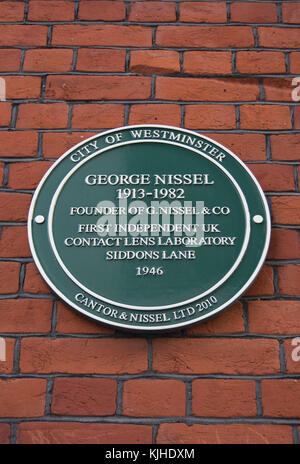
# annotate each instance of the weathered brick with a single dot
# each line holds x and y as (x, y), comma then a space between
(204, 36)
(153, 398)
(226, 322)
(285, 244)
(288, 279)
(83, 356)
(48, 60)
(292, 356)
(22, 397)
(98, 87)
(6, 367)
(297, 117)
(291, 12)
(27, 175)
(34, 283)
(157, 113)
(252, 12)
(249, 147)
(9, 277)
(103, 11)
(70, 321)
(154, 61)
(14, 242)
(226, 434)
(279, 397)
(84, 397)
(1, 173)
(210, 89)
(285, 37)
(83, 433)
(203, 12)
(149, 11)
(25, 315)
(43, 116)
(223, 398)
(202, 356)
(210, 117)
(23, 35)
(286, 209)
(9, 59)
(274, 317)
(90, 59)
(5, 113)
(265, 117)
(263, 284)
(14, 206)
(107, 35)
(204, 62)
(257, 62)
(16, 144)
(55, 144)
(294, 62)
(276, 177)
(11, 11)
(97, 116)
(285, 147)
(4, 434)
(278, 89)
(40, 10)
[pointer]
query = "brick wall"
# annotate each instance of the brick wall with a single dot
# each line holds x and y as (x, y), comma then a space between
(73, 68)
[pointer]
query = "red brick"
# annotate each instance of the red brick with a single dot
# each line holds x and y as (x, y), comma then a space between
(274, 177)
(6, 366)
(204, 36)
(257, 62)
(22, 397)
(98, 87)
(55, 144)
(283, 37)
(285, 244)
(203, 62)
(249, 147)
(279, 397)
(226, 322)
(1, 173)
(71, 321)
(210, 89)
(84, 397)
(292, 356)
(224, 398)
(59, 11)
(155, 114)
(265, 117)
(4, 434)
(83, 433)
(9, 59)
(9, 277)
(297, 118)
(291, 12)
(277, 89)
(27, 175)
(289, 278)
(16, 144)
(99, 34)
(48, 60)
(153, 398)
(34, 283)
(225, 434)
(286, 209)
(11, 11)
(5, 113)
(103, 11)
(25, 315)
(43, 116)
(216, 356)
(285, 147)
(84, 356)
(252, 12)
(274, 317)
(154, 61)
(14, 206)
(97, 116)
(14, 242)
(263, 284)
(210, 117)
(23, 35)
(90, 59)
(203, 12)
(295, 62)
(152, 11)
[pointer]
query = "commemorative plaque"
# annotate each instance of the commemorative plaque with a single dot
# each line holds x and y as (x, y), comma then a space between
(149, 227)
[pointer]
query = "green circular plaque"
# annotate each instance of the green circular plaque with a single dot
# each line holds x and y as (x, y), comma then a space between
(149, 227)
